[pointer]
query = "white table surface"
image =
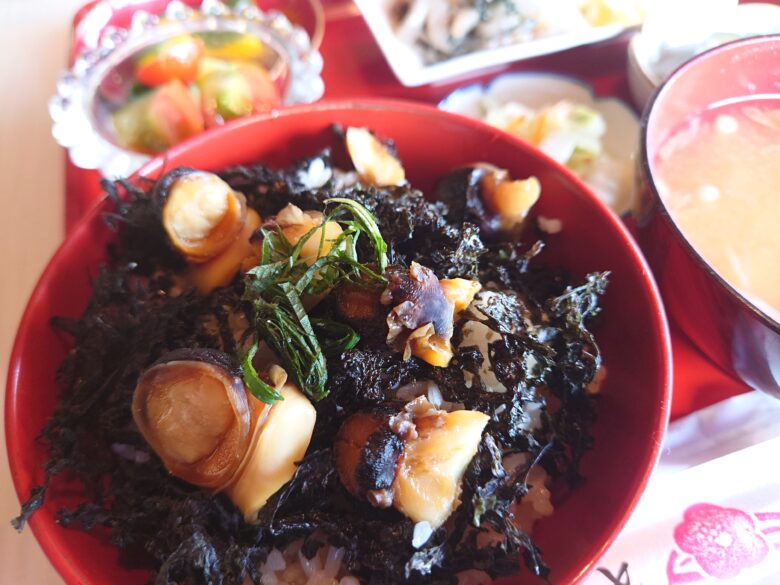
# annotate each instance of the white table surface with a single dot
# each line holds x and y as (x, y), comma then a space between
(34, 37)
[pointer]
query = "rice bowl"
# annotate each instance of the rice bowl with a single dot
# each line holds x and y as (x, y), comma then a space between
(557, 182)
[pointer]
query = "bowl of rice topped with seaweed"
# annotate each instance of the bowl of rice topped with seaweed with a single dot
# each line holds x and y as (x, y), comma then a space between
(350, 343)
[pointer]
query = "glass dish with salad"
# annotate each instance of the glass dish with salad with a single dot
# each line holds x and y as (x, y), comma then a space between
(191, 82)
(169, 77)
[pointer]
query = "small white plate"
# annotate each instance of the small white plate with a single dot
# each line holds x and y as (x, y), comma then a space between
(537, 90)
(411, 70)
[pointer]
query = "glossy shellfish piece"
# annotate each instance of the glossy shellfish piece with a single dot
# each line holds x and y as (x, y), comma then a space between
(202, 215)
(414, 460)
(373, 161)
(241, 254)
(366, 453)
(279, 442)
(296, 224)
(430, 472)
(460, 291)
(193, 411)
(420, 322)
(510, 199)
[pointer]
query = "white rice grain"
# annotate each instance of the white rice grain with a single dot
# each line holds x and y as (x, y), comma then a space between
(422, 532)
(549, 225)
(275, 561)
(434, 395)
(480, 335)
(130, 453)
(409, 392)
(536, 504)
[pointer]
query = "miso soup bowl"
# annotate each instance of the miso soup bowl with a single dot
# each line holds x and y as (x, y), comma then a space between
(727, 327)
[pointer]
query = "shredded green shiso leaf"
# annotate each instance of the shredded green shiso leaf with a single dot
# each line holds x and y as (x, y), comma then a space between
(187, 535)
(275, 287)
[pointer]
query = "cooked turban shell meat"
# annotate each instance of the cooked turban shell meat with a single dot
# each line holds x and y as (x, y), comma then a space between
(295, 224)
(486, 194)
(211, 226)
(241, 255)
(420, 322)
(414, 460)
(510, 199)
(373, 160)
(367, 453)
(431, 469)
(460, 291)
(202, 215)
(193, 409)
(277, 445)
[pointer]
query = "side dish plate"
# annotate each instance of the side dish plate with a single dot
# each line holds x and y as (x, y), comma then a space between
(411, 70)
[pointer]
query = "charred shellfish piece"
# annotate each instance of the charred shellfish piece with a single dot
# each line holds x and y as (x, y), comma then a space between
(485, 194)
(420, 322)
(413, 460)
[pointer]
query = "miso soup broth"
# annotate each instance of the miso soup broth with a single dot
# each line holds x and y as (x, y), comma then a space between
(719, 175)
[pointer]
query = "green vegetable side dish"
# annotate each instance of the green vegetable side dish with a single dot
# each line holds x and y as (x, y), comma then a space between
(189, 83)
(304, 364)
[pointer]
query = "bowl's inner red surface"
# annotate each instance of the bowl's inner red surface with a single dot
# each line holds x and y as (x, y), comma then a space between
(749, 68)
(632, 332)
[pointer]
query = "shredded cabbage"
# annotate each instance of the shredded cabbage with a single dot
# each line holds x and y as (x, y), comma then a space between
(571, 134)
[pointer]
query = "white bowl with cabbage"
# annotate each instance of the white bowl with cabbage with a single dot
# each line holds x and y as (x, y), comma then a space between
(594, 137)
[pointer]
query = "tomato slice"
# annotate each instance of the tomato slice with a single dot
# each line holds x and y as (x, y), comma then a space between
(176, 113)
(265, 93)
(159, 119)
(175, 58)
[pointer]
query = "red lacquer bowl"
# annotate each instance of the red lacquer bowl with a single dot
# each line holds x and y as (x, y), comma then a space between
(632, 332)
(733, 332)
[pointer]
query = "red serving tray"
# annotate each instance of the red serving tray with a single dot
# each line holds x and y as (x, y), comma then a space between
(355, 68)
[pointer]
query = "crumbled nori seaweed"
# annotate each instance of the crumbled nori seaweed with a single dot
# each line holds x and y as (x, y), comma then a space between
(186, 535)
